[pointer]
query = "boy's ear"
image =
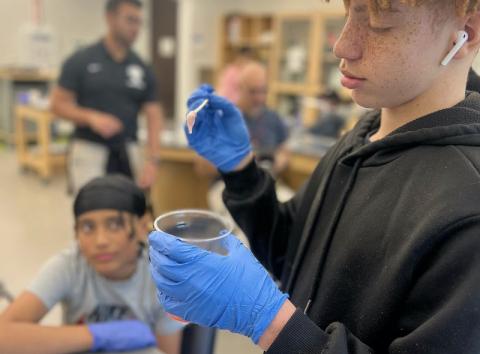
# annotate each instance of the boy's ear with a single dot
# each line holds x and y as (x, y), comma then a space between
(472, 27)
(133, 227)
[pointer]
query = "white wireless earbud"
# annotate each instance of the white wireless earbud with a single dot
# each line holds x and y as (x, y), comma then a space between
(462, 38)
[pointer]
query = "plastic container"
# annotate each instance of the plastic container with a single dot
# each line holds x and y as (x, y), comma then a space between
(201, 228)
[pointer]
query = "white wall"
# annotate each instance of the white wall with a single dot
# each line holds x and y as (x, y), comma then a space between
(198, 24)
(74, 22)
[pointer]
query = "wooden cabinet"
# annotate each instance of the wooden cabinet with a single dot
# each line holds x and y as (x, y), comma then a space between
(177, 186)
(302, 63)
(239, 31)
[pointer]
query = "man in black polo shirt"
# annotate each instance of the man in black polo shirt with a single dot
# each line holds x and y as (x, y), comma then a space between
(102, 89)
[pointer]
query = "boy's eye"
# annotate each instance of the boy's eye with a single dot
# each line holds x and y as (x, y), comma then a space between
(377, 29)
(85, 228)
(115, 224)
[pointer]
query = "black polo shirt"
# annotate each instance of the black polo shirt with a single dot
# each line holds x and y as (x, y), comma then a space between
(103, 84)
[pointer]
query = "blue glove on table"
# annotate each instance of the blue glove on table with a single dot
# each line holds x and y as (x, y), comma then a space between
(220, 134)
(120, 336)
(232, 292)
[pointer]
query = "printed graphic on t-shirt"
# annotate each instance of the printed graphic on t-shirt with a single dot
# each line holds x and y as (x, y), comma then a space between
(135, 77)
(106, 313)
(94, 68)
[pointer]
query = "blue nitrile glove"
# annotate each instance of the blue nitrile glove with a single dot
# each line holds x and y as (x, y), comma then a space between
(232, 292)
(121, 336)
(219, 134)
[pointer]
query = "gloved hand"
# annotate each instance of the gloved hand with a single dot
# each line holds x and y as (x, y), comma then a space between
(220, 134)
(119, 336)
(232, 292)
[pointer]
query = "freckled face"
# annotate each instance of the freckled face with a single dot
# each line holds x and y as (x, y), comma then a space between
(391, 57)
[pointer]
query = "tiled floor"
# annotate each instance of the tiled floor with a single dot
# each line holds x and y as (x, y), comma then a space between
(36, 222)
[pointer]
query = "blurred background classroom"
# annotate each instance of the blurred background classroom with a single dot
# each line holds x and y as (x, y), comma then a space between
(186, 43)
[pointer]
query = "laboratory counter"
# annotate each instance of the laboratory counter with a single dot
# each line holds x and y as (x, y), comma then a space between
(179, 185)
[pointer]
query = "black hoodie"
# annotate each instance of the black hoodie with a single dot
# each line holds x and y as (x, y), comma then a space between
(382, 246)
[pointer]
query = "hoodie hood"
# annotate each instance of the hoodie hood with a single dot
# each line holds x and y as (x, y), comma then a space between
(458, 125)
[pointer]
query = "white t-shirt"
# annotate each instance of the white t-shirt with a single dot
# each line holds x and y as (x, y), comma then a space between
(87, 297)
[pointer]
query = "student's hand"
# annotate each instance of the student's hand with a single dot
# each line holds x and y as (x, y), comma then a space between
(104, 124)
(231, 292)
(219, 134)
(119, 336)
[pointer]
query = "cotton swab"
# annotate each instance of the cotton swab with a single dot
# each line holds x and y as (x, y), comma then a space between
(192, 115)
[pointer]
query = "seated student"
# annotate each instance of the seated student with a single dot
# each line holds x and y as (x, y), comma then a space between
(104, 284)
(268, 132)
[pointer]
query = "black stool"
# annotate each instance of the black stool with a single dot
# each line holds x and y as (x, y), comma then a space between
(198, 340)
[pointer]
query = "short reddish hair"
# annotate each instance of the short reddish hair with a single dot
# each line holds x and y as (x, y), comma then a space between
(462, 7)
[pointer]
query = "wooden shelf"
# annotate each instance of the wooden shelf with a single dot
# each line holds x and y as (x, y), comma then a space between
(28, 75)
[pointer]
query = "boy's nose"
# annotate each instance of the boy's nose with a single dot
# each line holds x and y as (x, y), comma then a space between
(101, 238)
(349, 44)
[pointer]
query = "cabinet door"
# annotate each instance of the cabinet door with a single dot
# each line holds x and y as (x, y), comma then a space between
(294, 59)
(329, 73)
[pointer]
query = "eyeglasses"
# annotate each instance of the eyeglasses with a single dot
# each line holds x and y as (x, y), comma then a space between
(134, 21)
(257, 91)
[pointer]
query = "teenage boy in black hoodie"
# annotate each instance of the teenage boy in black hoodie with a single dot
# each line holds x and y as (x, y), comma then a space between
(380, 252)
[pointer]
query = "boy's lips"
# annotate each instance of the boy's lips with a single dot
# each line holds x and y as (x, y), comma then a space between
(104, 257)
(351, 81)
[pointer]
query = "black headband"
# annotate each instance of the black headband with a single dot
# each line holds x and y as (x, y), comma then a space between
(115, 192)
